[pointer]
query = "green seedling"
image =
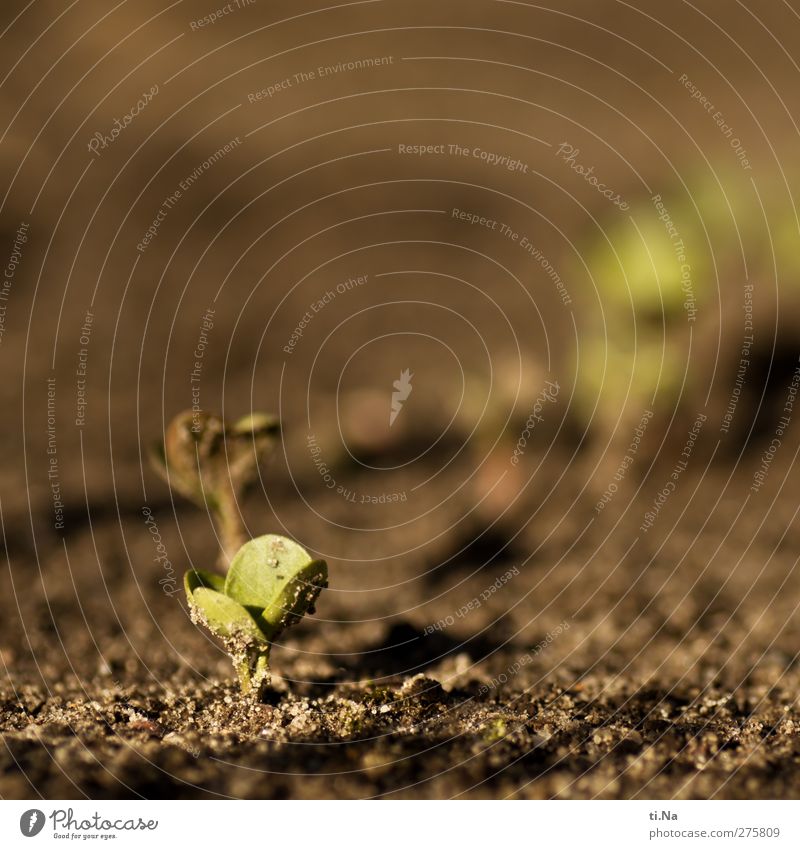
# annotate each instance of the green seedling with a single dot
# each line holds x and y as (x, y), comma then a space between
(271, 585)
(272, 582)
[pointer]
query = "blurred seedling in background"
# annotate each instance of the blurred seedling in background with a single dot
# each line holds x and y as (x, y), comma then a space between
(678, 287)
(272, 582)
(678, 266)
(649, 285)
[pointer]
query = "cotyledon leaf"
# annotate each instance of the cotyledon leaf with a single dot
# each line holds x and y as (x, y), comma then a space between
(195, 578)
(296, 597)
(224, 616)
(263, 568)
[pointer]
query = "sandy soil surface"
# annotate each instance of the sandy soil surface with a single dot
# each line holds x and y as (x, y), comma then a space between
(664, 670)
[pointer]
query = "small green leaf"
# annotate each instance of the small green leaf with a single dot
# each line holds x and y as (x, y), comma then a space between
(195, 578)
(296, 597)
(224, 616)
(278, 576)
(263, 568)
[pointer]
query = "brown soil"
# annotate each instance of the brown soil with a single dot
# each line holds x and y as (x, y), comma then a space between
(670, 673)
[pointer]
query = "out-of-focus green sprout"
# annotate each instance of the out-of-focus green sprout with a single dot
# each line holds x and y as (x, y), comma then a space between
(679, 264)
(650, 277)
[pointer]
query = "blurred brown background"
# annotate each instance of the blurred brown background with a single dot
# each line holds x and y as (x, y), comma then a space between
(266, 183)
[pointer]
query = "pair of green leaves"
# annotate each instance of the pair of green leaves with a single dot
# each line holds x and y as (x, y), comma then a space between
(271, 584)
